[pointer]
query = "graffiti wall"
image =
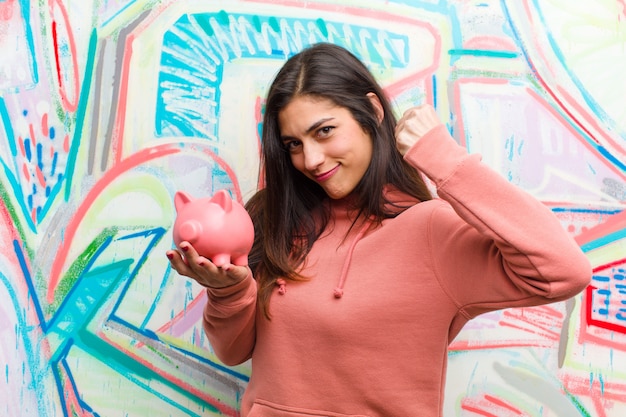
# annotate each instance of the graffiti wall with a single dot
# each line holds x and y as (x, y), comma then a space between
(108, 107)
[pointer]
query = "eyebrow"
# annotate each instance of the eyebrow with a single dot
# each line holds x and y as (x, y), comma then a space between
(311, 128)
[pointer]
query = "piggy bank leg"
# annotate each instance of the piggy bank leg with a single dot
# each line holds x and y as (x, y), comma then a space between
(240, 260)
(221, 259)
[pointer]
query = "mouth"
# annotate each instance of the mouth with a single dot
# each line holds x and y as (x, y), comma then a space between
(326, 175)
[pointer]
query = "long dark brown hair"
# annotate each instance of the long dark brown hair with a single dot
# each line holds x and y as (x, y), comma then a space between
(288, 213)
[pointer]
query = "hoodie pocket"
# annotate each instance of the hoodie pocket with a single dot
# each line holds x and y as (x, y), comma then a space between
(263, 408)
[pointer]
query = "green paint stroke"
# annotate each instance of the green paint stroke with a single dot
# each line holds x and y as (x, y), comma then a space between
(578, 405)
(10, 212)
(77, 269)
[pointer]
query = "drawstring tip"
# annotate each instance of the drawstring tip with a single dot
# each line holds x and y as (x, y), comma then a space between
(338, 293)
(282, 286)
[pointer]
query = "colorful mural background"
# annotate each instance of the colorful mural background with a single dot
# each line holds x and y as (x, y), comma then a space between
(108, 107)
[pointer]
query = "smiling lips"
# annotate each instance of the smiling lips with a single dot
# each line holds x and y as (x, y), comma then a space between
(326, 175)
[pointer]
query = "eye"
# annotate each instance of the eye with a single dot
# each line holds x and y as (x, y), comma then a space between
(292, 146)
(325, 131)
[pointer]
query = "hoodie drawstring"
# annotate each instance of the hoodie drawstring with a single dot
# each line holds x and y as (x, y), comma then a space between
(338, 292)
(282, 286)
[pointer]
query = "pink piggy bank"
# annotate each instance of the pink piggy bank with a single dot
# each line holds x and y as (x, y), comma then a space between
(218, 227)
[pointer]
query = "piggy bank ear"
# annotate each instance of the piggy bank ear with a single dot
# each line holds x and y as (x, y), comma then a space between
(181, 199)
(222, 199)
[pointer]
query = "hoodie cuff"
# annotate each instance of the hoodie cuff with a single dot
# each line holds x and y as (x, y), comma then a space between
(437, 155)
(240, 290)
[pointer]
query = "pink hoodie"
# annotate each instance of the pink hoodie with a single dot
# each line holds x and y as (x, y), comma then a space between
(368, 335)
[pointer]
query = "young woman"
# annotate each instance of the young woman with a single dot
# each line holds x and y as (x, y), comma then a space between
(358, 279)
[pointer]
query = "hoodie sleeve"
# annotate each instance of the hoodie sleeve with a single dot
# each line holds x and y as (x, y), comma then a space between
(229, 321)
(494, 245)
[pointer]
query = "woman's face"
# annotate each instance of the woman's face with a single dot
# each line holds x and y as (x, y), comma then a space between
(325, 143)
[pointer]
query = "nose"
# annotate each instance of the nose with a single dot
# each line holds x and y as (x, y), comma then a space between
(313, 155)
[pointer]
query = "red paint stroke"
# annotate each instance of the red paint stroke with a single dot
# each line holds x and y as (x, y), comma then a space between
(615, 223)
(503, 404)
(609, 265)
(602, 393)
(40, 177)
(599, 336)
(45, 129)
(490, 406)
(20, 141)
(7, 10)
(66, 144)
(118, 128)
(536, 320)
(199, 393)
(469, 345)
(33, 139)
(476, 410)
(599, 323)
(72, 73)
(25, 171)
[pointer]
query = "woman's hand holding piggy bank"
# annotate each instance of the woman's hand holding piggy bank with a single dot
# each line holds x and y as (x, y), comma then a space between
(212, 233)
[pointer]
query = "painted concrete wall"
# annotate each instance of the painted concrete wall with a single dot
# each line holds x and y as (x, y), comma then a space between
(108, 107)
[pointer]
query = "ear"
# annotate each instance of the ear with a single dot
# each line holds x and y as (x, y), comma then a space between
(222, 199)
(378, 107)
(181, 199)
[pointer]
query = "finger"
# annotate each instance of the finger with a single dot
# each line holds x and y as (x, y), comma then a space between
(178, 263)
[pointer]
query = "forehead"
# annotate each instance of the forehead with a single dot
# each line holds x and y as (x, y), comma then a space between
(304, 111)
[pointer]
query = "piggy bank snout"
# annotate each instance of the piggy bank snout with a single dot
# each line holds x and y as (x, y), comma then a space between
(190, 230)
